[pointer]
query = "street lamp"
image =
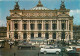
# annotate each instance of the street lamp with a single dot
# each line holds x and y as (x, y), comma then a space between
(63, 37)
(15, 36)
(69, 38)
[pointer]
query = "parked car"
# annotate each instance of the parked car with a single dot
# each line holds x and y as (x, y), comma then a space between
(50, 50)
(47, 46)
(73, 53)
(68, 48)
(2, 43)
(78, 41)
(77, 48)
(42, 46)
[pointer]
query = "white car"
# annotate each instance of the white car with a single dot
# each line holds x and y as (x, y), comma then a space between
(45, 46)
(69, 48)
(50, 50)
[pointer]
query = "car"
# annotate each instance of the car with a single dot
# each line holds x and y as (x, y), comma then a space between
(2, 43)
(77, 48)
(42, 46)
(50, 50)
(78, 41)
(47, 46)
(73, 53)
(68, 48)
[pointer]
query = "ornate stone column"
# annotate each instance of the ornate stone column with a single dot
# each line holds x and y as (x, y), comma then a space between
(20, 25)
(43, 26)
(51, 24)
(71, 35)
(60, 25)
(57, 38)
(35, 24)
(28, 36)
(35, 34)
(57, 25)
(29, 25)
(12, 35)
(19, 36)
(59, 35)
(11, 25)
(50, 35)
(43, 35)
(66, 24)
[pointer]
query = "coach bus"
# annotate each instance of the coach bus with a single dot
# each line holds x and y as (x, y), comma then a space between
(2, 43)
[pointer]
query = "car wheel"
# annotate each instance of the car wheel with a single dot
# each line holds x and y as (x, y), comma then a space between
(45, 52)
(57, 52)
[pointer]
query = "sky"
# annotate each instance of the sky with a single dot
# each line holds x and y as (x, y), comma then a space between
(6, 5)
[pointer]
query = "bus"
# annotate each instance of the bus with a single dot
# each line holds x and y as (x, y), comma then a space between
(2, 43)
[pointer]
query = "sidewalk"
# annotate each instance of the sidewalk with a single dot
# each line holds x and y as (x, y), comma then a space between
(6, 51)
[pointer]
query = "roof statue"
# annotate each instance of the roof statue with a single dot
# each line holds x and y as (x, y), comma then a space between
(40, 6)
(16, 7)
(62, 7)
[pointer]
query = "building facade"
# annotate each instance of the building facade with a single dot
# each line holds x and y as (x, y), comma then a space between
(3, 32)
(41, 22)
(76, 32)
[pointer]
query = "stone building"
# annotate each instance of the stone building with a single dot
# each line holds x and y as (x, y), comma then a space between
(3, 32)
(76, 32)
(40, 22)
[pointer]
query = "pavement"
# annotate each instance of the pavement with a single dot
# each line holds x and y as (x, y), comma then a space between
(6, 51)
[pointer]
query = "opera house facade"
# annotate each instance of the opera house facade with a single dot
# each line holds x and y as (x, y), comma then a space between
(40, 22)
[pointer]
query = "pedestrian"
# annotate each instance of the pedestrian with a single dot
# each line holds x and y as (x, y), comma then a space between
(10, 45)
(38, 53)
(14, 54)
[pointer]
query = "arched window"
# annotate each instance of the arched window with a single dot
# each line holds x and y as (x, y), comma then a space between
(63, 26)
(46, 26)
(24, 36)
(16, 36)
(39, 34)
(39, 26)
(24, 26)
(69, 26)
(63, 35)
(32, 26)
(32, 35)
(54, 26)
(46, 35)
(54, 35)
(16, 26)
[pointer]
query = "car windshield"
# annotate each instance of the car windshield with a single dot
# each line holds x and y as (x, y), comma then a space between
(49, 47)
(68, 47)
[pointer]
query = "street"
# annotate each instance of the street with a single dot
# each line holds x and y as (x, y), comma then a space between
(6, 51)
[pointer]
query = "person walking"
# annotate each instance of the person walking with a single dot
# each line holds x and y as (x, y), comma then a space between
(10, 45)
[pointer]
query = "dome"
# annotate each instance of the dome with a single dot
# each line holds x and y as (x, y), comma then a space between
(39, 7)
